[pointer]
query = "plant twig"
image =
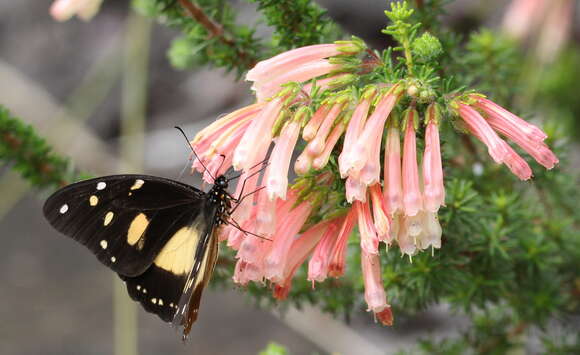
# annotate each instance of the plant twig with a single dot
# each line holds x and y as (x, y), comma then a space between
(215, 29)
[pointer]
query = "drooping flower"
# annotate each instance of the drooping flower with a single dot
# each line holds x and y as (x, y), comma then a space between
(484, 118)
(374, 290)
(433, 188)
(63, 10)
(412, 198)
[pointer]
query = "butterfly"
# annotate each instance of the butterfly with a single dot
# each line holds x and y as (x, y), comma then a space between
(157, 234)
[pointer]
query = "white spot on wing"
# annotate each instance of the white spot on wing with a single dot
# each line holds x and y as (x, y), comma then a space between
(101, 185)
(104, 244)
(154, 300)
(138, 287)
(137, 185)
(63, 209)
(160, 302)
(113, 259)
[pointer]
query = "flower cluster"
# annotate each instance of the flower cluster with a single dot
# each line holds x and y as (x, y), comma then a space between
(63, 10)
(309, 97)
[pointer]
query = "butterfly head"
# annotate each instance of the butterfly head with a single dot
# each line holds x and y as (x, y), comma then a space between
(221, 182)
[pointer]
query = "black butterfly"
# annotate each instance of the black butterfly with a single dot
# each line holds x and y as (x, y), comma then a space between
(157, 234)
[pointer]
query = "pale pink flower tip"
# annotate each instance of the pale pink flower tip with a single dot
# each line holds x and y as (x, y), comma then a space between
(375, 296)
(62, 10)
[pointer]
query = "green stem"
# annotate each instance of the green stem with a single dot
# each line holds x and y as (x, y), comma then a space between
(133, 107)
(408, 56)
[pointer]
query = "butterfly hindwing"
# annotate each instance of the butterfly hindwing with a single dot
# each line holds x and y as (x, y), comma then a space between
(125, 220)
(169, 285)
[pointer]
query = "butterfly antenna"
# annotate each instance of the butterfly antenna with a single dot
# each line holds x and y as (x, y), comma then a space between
(194, 153)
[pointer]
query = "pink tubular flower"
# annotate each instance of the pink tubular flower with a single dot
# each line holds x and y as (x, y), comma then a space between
(369, 240)
(430, 234)
(517, 165)
(392, 190)
(286, 61)
(303, 163)
(319, 263)
(299, 250)
(433, 188)
(277, 180)
(412, 200)
(508, 120)
(338, 253)
(316, 145)
(529, 137)
(62, 10)
(363, 157)
(305, 72)
(322, 159)
(405, 240)
(374, 291)
(286, 230)
(380, 215)
(298, 65)
(355, 190)
(315, 121)
(355, 127)
(255, 142)
(478, 126)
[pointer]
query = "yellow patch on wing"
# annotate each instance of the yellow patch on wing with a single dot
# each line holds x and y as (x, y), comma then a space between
(177, 256)
(93, 200)
(108, 218)
(136, 229)
(137, 185)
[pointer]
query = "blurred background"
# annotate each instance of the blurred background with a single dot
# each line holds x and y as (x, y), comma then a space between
(69, 80)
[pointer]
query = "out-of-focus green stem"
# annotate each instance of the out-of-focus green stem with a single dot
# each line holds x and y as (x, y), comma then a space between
(133, 107)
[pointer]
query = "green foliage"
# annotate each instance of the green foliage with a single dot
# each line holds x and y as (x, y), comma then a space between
(491, 62)
(296, 23)
(274, 349)
(31, 155)
(209, 34)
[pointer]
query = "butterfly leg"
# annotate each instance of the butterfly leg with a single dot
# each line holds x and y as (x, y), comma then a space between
(265, 162)
(239, 201)
(235, 224)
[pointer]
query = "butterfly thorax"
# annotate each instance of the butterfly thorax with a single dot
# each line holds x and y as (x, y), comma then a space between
(220, 198)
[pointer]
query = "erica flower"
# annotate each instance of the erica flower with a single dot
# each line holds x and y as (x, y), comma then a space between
(484, 118)
(308, 103)
(299, 65)
(62, 10)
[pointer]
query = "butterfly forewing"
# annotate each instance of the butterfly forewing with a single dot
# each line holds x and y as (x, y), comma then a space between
(125, 220)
